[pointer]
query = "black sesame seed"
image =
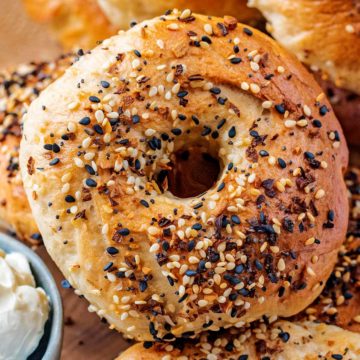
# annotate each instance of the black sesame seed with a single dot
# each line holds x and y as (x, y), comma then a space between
(90, 169)
(206, 39)
(144, 203)
(221, 124)
(123, 231)
(222, 101)
(198, 206)
(230, 166)
(91, 182)
(182, 94)
(232, 132)
(284, 336)
(54, 161)
(48, 147)
(182, 117)
(221, 186)
(263, 153)
(317, 123)
(69, 199)
(280, 108)
(190, 273)
(135, 119)
(195, 120)
(331, 215)
(323, 110)
(176, 131)
(108, 266)
(254, 133)
(65, 284)
(206, 131)
(309, 155)
(143, 285)
(55, 148)
(235, 219)
(247, 31)
(137, 53)
(170, 280)
(235, 60)
(104, 84)
(112, 250)
(337, 356)
(98, 129)
(215, 90)
(137, 164)
(147, 344)
(94, 99)
(191, 245)
(85, 121)
(197, 226)
(282, 163)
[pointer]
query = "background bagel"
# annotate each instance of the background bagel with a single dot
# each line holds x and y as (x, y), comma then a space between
(332, 45)
(17, 89)
(85, 22)
(157, 266)
(337, 305)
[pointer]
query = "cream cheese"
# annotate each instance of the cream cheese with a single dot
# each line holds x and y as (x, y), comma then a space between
(24, 308)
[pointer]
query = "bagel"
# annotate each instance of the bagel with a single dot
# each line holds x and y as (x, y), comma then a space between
(346, 105)
(81, 23)
(324, 34)
(156, 265)
(282, 340)
(122, 12)
(75, 23)
(17, 89)
(338, 304)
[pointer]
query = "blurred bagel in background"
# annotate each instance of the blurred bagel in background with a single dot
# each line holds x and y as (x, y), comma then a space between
(18, 88)
(82, 23)
(122, 12)
(330, 49)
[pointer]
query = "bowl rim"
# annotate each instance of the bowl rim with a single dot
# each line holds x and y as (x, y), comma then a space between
(53, 348)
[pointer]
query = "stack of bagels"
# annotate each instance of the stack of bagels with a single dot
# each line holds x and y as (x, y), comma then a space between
(189, 176)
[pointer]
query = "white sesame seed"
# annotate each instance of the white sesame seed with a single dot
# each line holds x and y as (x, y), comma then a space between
(320, 194)
(254, 88)
(350, 28)
(290, 123)
(150, 132)
(267, 104)
(281, 265)
(245, 86)
(160, 43)
(208, 29)
(203, 303)
(154, 247)
(185, 14)
(99, 116)
(254, 66)
(135, 63)
(78, 162)
(153, 91)
(173, 26)
(307, 110)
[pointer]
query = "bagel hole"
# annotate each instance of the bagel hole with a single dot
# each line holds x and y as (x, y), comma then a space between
(194, 170)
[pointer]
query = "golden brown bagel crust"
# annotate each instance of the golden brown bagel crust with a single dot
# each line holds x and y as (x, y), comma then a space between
(282, 340)
(18, 88)
(122, 12)
(253, 244)
(324, 34)
(338, 304)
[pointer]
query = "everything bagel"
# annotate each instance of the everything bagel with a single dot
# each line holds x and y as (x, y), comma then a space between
(178, 94)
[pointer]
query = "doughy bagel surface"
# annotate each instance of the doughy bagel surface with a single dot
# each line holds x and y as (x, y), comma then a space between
(18, 88)
(337, 305)
(324, 34)
(156, 266)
